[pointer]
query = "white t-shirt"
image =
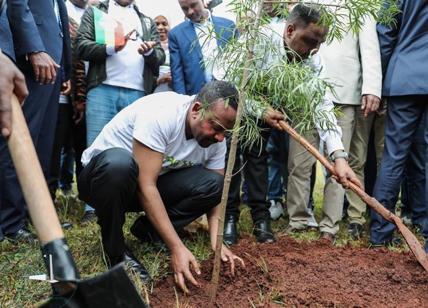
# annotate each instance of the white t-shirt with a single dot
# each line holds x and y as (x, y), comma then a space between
(125, 68)
(158, 122)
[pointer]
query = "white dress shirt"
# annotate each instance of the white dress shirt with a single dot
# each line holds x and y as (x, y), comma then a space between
(208, 42)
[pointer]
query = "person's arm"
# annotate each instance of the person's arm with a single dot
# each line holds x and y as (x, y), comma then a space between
(371, 67)
(28, 42)
(150, 164)
(388, 37)
(12, 81)
(24, 28)
(177, 71)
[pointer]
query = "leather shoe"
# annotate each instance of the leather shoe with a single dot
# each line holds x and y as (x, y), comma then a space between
(355, 231)
(263, 232)
(23, 235)
(131, 261)
(230, 234)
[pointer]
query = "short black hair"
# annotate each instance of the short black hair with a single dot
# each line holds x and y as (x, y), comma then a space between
(216, 90)
(303, 14)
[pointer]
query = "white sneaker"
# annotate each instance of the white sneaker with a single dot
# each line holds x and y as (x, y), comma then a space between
(311, 220)
(275, 209)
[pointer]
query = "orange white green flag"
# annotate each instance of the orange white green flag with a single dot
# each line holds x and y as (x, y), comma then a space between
(107, 30)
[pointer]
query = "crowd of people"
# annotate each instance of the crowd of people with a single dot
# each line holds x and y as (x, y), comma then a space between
(139, 115)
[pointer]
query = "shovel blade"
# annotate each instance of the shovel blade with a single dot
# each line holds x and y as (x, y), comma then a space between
(414, 245)
(113, 288)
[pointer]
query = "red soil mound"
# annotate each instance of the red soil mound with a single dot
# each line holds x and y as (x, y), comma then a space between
(315, 274)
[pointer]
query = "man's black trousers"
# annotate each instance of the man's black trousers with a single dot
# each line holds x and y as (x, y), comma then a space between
(109, 184)
(255, 171)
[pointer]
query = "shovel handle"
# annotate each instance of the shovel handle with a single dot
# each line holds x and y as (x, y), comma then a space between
(370, 201)
(31, 178)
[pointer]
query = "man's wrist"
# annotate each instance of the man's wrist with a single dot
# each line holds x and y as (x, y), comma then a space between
(338, 155)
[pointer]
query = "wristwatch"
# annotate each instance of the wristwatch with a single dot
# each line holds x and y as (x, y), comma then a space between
(339, 154)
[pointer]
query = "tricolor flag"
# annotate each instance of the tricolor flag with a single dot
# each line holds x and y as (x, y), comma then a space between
(107, 29)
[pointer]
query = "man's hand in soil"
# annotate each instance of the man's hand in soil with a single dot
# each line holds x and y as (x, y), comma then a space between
(369, 103)
(229, 256)
(182, 260)
(44, 67)
(345, 173)
(272, 118)
(11, 81)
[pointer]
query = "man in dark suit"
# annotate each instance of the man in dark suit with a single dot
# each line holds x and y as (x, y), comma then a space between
(404, 52)
(192, 47)
(42, 49)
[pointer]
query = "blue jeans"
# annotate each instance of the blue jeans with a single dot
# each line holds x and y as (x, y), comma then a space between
(402, 123)
(102, 104)
(277, 147)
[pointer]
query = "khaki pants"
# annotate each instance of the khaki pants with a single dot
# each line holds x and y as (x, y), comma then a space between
(300, 164)
(358, 155)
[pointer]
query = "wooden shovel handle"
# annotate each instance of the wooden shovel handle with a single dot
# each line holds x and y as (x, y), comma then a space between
(371, 202)
(31, 178)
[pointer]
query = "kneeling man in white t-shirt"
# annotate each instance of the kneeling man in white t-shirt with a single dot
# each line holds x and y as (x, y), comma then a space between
(164, 154)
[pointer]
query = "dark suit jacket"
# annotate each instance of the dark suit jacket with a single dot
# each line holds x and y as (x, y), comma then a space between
(35, 28)
(6, 41)
(187, 67)
(404, 50)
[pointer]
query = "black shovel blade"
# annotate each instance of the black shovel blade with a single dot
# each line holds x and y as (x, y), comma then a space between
(113, 288)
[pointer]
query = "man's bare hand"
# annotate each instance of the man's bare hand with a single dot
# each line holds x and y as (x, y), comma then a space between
(11, 81)
(164, 79)
(272, 118)
(146, 46)
(182, 260)
(345, 173)
(66, 87)
(229, 256)
(44, 67)
(369, 103)
(121, 45)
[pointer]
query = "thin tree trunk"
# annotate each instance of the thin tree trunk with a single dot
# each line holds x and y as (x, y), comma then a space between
(229, 169)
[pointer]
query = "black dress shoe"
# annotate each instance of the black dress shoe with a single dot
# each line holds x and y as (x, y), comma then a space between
(22, 236)
(231, 235)
(355, 231)
(263, 231)
(130, 260)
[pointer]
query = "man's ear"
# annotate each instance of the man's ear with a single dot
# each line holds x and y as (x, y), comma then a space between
(196, 106)
(195, 109)
(290, 30)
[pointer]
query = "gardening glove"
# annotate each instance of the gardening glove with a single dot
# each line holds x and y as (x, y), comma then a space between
(60, 266)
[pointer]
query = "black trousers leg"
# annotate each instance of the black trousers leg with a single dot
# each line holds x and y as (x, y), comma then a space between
(109, 184)
(62, 137)
(256, 178)
(187, 194)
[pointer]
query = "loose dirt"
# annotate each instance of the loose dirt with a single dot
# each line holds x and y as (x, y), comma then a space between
(290, 273)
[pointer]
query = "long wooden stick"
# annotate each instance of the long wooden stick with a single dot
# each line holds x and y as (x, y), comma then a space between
(32, 180)
(229, 169)
(410, 238)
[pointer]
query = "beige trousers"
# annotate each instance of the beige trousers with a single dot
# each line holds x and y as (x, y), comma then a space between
(300, 164)
(358, 155)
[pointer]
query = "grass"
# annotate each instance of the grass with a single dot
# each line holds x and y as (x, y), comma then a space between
(17, 262)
